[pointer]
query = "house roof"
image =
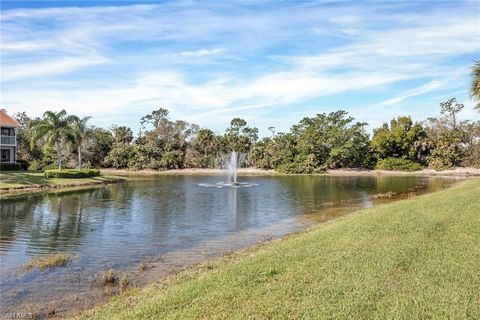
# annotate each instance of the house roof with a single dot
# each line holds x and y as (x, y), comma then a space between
(7, 121)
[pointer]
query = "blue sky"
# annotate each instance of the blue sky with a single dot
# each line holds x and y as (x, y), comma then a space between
(270, 62)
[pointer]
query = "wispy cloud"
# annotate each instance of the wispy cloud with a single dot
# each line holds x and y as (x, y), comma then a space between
(427, 87)
(200, 53)
(49, 67)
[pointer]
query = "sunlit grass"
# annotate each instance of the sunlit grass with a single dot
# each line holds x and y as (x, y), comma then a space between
(412, 259)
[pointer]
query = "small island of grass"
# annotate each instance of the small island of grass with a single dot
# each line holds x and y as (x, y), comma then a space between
(48, 261)
(15, 182)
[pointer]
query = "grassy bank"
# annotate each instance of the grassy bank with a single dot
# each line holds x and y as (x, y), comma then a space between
(412, 259)
(14, 182)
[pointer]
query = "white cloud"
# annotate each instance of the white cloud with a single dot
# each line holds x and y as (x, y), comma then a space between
(49, 67)
(200, 53)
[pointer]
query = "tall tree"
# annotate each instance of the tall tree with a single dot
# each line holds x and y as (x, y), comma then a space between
(272, 130)
(78, 133)
(54, 127)
(102, 142)
(123, 135)
(239, 136)
(154, 118)
(451, 108)
(447, 136)
(24, 151)
(330, 141)
(475, 87)
(400, 139)
(206, 139)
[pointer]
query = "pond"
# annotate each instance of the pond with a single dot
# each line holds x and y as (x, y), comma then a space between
(149, 227)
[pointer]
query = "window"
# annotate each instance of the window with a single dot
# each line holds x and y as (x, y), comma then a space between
(5, 153)
(7, 132)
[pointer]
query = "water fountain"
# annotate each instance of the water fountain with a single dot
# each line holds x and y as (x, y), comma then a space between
(232, 164)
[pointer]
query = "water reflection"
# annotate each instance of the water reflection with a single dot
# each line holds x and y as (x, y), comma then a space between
(120, 225)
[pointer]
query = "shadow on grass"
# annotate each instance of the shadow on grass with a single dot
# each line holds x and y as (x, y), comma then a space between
(29, 178)
(12, 179)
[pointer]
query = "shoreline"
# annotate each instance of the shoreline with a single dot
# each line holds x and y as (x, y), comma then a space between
(460, 172)
(111, 176)
(76, 184)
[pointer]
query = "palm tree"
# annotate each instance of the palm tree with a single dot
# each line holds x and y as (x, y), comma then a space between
(78, 133)
(206, 138)
(123, 135)
(475, 89)
(53, 127)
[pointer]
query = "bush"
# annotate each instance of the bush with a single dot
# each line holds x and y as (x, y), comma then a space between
(472, 156)
(442, 159)
(10, 166)
(72, 173)
(302, 164)
(24, 164)
(399, 164)
(37, 165)
(120, 156)
(34, 166)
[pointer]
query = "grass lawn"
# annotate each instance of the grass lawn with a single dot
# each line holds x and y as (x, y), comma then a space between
(412, 259)
(35, 179)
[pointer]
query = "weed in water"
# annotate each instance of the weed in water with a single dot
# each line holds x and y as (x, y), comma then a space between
(48, 262)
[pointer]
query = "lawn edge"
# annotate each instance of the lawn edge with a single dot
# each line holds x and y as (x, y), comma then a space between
(205, 267)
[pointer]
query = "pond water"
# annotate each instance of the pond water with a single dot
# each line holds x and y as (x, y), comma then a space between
(164, 223)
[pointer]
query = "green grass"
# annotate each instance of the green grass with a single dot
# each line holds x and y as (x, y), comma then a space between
(11, 180)
(412, 259)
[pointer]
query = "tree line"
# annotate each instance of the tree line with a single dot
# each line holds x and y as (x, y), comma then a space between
(325, 141)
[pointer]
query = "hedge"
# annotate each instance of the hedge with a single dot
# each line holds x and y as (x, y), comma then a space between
(399, 164)
(10, 166)
(72, 173)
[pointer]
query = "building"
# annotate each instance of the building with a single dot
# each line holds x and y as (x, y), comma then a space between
(8, 138)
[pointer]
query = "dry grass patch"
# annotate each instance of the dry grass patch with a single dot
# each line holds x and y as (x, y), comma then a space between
(388, 194)
(109, 278)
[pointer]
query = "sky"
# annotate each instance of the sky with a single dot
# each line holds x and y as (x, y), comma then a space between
(269, 62)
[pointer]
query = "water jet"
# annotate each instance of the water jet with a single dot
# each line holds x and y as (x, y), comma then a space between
(232, 163)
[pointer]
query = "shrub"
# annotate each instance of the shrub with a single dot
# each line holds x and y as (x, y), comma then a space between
(442, 159)
(10, 167)
(37, 165)
(72, 173)
(24, 164)
(302, 164)
(399, 164)
(120, 156)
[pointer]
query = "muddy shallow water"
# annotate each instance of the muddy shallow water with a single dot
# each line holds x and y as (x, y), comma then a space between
(147, 228)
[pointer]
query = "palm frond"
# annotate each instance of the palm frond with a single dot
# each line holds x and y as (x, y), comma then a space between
(475, 86)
